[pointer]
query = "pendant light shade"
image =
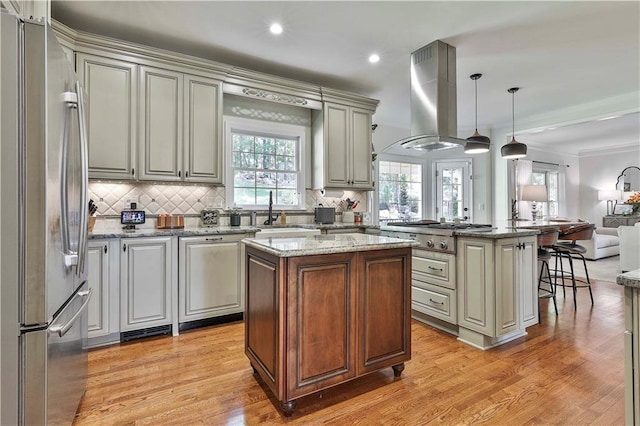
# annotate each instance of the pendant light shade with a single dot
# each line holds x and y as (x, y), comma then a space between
(513, 149)
(477, 143)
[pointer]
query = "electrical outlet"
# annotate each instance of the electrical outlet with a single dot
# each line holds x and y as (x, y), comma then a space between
(129, 200)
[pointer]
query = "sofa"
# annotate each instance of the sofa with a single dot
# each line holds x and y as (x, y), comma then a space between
(605, 242)
(629, 247)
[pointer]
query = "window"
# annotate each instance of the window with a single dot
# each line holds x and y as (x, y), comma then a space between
(400, 191)
(549, 178)
(264, 158)
(453, 190)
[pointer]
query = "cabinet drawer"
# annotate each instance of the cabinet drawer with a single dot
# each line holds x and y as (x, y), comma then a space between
(435, 301)
(434, 268)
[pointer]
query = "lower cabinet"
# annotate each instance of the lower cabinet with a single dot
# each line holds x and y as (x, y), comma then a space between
(104, 279)
(148, 283)
(497, 289)
(209, 279)
(312, 322)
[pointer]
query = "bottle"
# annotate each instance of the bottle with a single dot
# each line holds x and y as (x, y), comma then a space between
(254, 218)
(283, 218)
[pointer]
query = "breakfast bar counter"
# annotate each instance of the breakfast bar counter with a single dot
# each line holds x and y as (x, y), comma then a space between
(326, 309)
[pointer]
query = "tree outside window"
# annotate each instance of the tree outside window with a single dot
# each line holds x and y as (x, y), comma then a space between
(400, 191)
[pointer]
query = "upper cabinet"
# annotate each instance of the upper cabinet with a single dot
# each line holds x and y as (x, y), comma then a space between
(155, 115)
(180, 136)
(161, 124)
(342, 147)
(111, 87)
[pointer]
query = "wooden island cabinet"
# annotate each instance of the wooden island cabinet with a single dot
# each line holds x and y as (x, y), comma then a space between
(334, 309)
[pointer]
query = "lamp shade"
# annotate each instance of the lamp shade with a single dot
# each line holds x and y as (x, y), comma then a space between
(534, 193)
(609, 194)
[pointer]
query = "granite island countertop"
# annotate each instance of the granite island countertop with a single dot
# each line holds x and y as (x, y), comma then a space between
(629, 279)
(326, 244)
(497, 232)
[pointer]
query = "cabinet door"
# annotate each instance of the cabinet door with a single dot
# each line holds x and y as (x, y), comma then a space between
(209, 281)
(321, 322)
(111, 87)
(337, 145)
(476, 289)
(98, 280)
(361, 176)
(146, 274)
(507, 306)
(161, 127)
(202, 130)
(528, 281)
(384, 309)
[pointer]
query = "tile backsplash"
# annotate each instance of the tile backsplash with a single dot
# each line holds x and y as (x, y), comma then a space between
(190, 199)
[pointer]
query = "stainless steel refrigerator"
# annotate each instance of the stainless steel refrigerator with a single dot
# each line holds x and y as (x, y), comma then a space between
(43, 228)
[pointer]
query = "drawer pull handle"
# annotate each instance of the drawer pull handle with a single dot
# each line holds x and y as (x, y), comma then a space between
(437, 303)
(213, 239)
(435, 269)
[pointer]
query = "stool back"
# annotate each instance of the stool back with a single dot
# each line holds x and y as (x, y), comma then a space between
(584, 231)
(548, 236)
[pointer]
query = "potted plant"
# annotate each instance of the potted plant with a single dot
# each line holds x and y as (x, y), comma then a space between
(234, 217)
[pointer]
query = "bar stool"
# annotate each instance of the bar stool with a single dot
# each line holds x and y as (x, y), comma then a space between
(547, 237)
(568, 249)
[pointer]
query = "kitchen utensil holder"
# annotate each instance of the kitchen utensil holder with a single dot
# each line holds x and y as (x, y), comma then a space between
(92, 222)
(169, 222)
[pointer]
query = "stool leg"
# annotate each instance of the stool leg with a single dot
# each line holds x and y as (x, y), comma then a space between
(573, 282)
(584, 262)
(553, 290)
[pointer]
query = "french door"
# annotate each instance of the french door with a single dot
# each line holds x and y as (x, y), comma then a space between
(453, 190)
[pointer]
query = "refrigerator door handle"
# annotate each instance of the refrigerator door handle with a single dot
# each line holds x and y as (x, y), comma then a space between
(70, 257)
(84, 207)
(61, 330)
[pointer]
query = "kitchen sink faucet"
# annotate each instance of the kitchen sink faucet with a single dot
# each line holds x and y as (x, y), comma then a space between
(270, 218)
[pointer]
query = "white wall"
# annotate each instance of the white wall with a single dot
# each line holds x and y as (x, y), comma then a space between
(599, 170)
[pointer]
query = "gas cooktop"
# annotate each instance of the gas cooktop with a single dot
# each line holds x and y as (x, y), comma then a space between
(438, 225)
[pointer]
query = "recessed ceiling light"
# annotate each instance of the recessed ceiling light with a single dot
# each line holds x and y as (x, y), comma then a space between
(275, 28)
(374, 58)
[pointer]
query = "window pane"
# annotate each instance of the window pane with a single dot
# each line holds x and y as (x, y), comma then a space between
(400, 191)
(287, 180)
(244, 179)
(265, 179)
(286, 197)
(266, 162)
(244, 195)
(242, 142)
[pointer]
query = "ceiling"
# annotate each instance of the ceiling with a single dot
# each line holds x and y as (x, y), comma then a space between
(575, 62)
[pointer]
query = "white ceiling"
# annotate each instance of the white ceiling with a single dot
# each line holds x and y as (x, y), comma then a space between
(574, 61)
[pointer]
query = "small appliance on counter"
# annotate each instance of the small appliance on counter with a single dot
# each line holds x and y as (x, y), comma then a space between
(131, 218)
(169, 221)
(324, 215)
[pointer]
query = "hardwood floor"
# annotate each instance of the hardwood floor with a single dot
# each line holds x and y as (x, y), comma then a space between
(567, 370)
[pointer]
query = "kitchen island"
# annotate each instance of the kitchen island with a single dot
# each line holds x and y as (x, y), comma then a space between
(326, 309)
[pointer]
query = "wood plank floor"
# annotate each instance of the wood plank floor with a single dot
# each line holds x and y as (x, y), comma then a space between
(567, 370)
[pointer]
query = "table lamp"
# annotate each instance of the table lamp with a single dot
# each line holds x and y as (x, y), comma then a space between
(609, 195)
(534, 193)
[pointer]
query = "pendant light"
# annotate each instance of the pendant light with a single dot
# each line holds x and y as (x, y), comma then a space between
(513, 149)
(476, 143)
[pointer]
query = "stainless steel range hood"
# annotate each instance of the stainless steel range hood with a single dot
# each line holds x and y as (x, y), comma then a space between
(434, 118)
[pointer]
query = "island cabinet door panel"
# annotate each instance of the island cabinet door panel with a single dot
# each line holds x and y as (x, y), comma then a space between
(384, 305)
(262, 319)
(528, 281)
(476, 290)
(321, 322)
(507, 303)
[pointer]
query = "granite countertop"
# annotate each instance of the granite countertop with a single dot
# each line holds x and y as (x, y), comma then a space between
(326, 244)
(629, 279)
(116, 231)
(496, 232)
(178, 232)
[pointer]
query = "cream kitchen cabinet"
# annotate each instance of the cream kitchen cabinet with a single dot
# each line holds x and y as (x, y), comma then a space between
(209, 283)
(342, 147)
(103, 264)
(497, 289)
(111, 86)
(180, 135)
(148, 283)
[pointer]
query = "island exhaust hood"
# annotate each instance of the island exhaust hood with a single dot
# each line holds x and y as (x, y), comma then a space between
(434, 118)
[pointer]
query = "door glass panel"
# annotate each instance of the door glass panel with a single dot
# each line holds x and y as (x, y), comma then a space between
(453, 190)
